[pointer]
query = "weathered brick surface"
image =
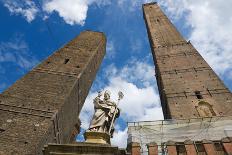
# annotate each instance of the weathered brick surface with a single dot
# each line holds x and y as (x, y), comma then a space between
(209, 147)
(171, 148)
(190, 148)
(227, 145)
(228, 148)
(44, 105)
(181, 71)
(152, 149)
(134, 148)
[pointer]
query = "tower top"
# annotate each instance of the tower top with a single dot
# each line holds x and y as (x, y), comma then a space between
(151, 3)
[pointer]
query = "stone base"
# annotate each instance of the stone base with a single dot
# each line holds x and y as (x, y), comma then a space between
(97, 137)
(82, 149)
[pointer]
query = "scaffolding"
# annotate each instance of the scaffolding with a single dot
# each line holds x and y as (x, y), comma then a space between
(196, 129)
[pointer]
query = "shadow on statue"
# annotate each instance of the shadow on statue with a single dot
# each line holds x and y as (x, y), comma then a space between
(102, 125)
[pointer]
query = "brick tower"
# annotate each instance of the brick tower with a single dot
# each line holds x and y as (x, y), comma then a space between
(187, 85)
(43, 107)
(197, 106)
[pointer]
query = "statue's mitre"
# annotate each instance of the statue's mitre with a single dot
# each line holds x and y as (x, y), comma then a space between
(107, 92)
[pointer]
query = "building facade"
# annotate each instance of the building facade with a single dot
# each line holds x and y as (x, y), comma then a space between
(43, 106)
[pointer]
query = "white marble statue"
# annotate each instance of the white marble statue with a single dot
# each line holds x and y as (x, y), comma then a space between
(106, 111)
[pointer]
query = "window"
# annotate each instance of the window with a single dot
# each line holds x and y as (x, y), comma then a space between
(198, 95)
(218, 146)
(66, 61)
(1, 130)
(204, 109)
(199, 147)
(180, 147)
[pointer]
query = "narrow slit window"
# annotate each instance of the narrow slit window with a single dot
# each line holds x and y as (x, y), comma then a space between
(1, 130)
(198, 95)
(66, 61)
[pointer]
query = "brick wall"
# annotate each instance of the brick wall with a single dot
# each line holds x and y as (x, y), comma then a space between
(134, 148)
(189, 147)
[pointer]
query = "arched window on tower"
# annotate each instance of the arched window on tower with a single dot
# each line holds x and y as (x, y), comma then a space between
(204, 109)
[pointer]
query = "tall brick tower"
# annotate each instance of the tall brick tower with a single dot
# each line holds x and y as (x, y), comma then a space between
(196, 104)
(43, 107)
(187, 85)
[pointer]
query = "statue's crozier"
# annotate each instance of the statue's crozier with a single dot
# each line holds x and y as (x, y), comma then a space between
(104, 114)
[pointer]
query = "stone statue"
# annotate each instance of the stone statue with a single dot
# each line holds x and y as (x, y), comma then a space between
(106, 111)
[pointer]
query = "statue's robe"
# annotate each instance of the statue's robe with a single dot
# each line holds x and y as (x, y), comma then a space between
(104, 111)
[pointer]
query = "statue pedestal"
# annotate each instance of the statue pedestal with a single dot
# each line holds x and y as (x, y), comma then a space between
(97, 137)
(97, 143)
(80, 148)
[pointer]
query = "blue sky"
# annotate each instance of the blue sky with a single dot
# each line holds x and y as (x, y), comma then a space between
(32, 30)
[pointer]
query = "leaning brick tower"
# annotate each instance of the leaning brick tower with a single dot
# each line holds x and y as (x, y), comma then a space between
(197, 106)
(43, 107)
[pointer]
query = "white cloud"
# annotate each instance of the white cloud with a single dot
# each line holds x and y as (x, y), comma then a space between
(139, 72)
(132, 5)
(141, 99)
(136, 45)
(26, 8)
(87, 110)
(75, 11)
(120, 139)
(210, 22)
(15, 58)
(140, 102)
(110, 48)
(72, 11)
(17, 52)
